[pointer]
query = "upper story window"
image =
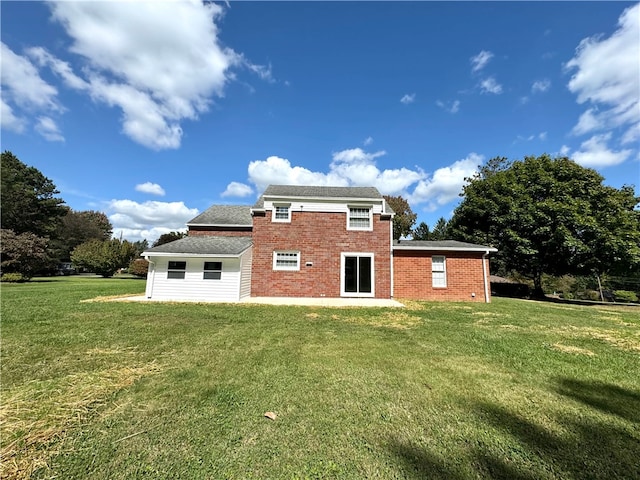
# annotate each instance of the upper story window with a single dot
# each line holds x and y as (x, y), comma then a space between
(176, 270)
(281, 213)
(360, 218)
(212, 271)
(438, 271)
(286, 260)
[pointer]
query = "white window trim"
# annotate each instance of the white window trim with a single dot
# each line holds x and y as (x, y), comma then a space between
(287, 268)
(274, 210)
(362, 229)
(172, 270)
(343, 256)
(205, 271)
(444, 270)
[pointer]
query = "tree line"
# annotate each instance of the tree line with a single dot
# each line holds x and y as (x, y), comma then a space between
(39, 232)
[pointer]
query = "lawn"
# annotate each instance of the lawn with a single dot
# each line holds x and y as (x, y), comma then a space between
(513, 390)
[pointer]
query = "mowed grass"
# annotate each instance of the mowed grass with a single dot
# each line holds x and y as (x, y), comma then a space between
(513, 390)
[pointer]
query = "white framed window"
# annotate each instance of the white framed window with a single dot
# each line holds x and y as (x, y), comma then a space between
(212, 271)
(438, 271)
(360, 218)
(176, 270)
(281, 213)
(288, 260)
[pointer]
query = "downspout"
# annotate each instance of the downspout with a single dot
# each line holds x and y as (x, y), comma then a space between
(384, 205)
(484, 277)
(152, 267)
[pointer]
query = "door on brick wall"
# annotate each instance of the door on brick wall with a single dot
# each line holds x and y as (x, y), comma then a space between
(357, 276)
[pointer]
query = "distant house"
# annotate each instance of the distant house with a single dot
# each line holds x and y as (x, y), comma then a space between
(305, 241)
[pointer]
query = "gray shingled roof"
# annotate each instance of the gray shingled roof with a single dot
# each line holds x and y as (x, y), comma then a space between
(441, 245)
(204, 245)
(310, 191)
(224, 215)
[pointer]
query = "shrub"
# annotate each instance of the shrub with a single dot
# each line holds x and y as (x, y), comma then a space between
(139, 267)
(13, 278)
(625, 296)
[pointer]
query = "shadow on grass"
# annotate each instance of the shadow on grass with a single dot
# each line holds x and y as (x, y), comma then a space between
(522, 449)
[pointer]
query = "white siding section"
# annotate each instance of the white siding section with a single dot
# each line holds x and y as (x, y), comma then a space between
(328, 206)
(245, 273)
(193, 286)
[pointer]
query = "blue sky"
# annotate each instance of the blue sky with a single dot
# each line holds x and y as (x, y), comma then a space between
(151, 112)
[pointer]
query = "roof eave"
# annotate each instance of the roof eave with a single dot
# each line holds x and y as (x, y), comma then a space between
(445, 249)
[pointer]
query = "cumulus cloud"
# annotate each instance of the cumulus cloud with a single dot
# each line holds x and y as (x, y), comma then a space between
(489, 85)
(24, 92)
(541, 86)
(479, 61)
(445, 185)
(237, 189)
(159, 63)
(137, 221)
(408, 98)
(605, 75)
(451, 107)
(595, 153)
(150, 188)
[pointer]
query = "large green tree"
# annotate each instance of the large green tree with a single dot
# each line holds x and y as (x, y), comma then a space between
(103, 257)
(404, 218)
(28, 198)
(549, 215)
(78, 227)
(168, 237)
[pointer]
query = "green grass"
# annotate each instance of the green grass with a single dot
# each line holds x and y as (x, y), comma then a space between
(513, 390)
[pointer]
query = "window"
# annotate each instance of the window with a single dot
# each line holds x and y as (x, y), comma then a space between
(359, 218)
(212, 271)
(281, 213)
(438, 272)
(176, 270)
(286, 260)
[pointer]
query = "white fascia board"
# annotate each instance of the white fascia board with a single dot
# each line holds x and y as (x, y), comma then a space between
(446, 249)
(277, 198)
(193, 255)
(219, 225)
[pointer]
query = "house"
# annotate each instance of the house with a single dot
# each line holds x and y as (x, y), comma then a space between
(311, 241)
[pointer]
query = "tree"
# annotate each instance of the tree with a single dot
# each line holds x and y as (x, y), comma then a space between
(28, 200)
(76, 228)
(549, 216)
(103, 257)
(139, 267)
(168, 237)
(421, 232)
(440, 230)
(404, 219)
(23, 253)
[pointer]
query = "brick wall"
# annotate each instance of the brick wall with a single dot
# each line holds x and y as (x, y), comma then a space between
(220, 231)
(320, 238)
(412, 276)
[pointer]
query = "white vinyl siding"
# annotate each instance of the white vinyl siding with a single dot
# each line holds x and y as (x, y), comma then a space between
(245, 274)
(228, 288)
(438, 271)
(330, 206)
(288, 260)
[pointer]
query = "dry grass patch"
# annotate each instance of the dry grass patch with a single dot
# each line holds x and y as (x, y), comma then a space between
(36, 414)
(389, 319)
(573, 350)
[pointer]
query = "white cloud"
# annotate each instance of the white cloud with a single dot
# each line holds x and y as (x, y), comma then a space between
(541, 86)
(237, 189)
(479, 61)
(489, 85)
(408, 98)
(445, 185)
(631, 135)
(160, 63)
(367, 141)
(47, 127)
(595, 153)
(148, 220)
(355, 167)
(150, 188)
(451, 107)
(605, 75)
(542, 135)
(24, 92)
(564, 150)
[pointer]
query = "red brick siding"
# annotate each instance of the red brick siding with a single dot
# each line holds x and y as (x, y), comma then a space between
(412, 276)
(220, 231)
(320, 238)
